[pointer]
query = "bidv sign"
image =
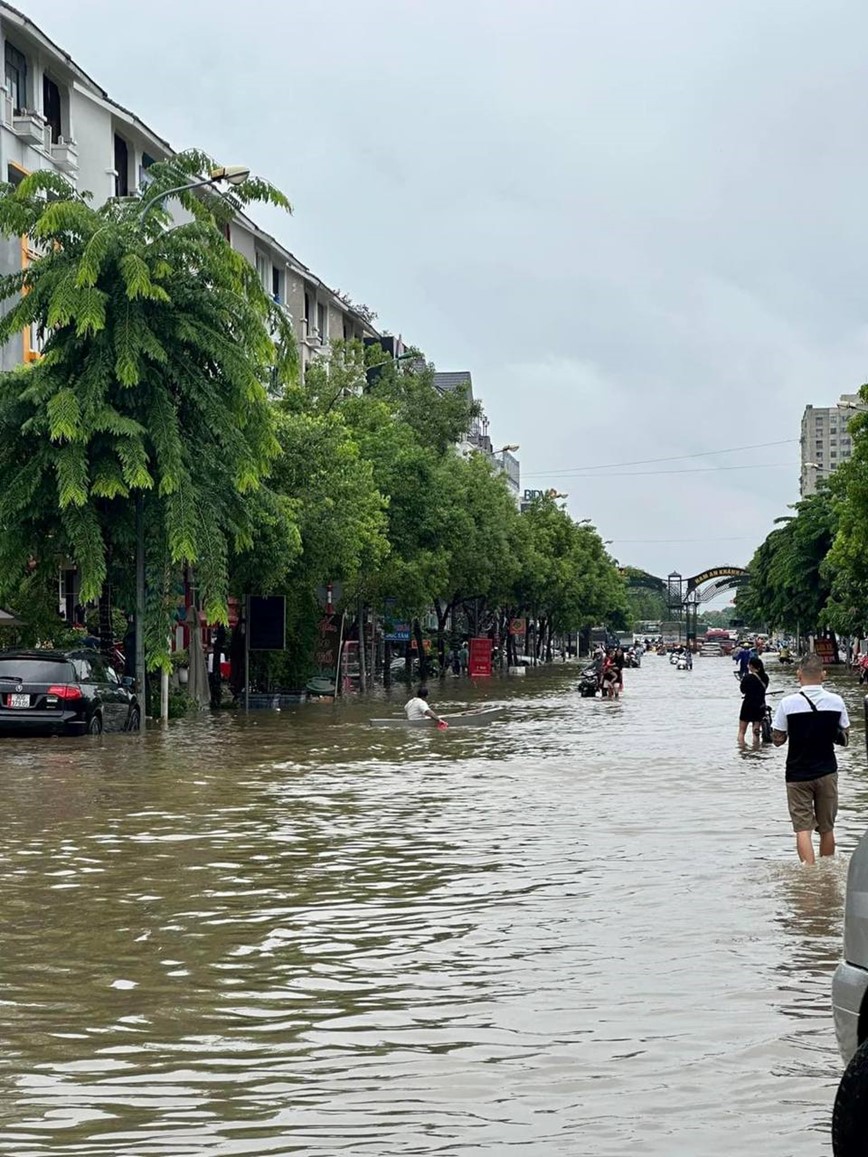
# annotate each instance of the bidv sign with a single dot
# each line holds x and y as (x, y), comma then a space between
(530, 495)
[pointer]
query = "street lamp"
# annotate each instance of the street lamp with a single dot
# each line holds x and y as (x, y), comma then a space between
(231, 174)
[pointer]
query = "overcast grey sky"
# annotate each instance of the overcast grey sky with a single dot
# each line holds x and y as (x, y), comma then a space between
(641, 224)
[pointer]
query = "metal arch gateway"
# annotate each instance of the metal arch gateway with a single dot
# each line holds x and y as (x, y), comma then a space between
(732, 576)
(684, 596)
(705, 586)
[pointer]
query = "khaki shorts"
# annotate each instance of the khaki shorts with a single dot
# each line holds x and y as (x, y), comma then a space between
(814, 804)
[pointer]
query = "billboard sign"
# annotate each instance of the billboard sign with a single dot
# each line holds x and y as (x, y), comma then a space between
(480, 658)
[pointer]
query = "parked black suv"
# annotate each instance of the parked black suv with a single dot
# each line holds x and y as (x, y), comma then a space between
(72, 692)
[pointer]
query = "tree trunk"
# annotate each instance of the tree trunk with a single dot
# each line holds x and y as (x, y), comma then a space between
(106, 634)
(420, 650)
(442, 616)
(216, 679)
(387, 664)
(363, 675)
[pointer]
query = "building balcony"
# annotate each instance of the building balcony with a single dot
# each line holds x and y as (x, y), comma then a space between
(65, 155)
(29, 126)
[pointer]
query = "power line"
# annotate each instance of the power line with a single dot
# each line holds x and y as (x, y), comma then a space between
(740, 538)
(689, 470)
(654, 461)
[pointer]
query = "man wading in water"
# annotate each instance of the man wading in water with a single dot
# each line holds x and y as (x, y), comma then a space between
(813, 720)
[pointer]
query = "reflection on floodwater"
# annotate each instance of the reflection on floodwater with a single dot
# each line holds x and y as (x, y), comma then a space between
(582, 930)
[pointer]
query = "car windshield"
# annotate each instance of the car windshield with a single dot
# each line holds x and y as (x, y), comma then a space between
(29, 670)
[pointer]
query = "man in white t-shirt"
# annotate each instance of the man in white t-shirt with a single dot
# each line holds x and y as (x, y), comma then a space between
(417, 708)
(813, 720)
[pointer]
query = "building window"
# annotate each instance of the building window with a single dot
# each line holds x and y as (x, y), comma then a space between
(262, 269)
(16, 76)
(321, 323)
(122, 167)
(51, 107)
(308, 311)
(833, 453)
(277, 284)
(144, 179)
(348, 331)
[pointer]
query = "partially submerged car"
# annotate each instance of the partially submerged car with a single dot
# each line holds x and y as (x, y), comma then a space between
(45, 692)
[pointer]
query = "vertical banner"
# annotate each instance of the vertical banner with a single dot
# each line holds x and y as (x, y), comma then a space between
(327, 645)
(480, 658)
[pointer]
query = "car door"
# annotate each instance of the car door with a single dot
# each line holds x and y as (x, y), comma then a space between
(119, 697)
(108, 692)
(82, 661)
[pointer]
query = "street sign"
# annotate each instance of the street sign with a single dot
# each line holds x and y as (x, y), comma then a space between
(399, 633)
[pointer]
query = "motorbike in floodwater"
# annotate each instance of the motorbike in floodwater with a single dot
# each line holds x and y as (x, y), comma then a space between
(589, 683)
(766, 725)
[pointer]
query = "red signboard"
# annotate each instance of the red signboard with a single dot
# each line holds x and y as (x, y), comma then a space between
(518, 627)
(479, 658)
(827, 650)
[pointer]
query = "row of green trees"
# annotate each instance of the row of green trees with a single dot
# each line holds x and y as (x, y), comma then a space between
(811, 572)
(167, 416)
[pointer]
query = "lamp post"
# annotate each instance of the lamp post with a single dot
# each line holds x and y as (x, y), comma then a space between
(232, 175)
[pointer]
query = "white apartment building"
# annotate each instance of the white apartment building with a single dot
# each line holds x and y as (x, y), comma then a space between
(54, 116)
(825, 441)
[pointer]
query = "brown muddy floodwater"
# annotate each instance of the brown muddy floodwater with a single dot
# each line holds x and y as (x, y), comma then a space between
(580, 931)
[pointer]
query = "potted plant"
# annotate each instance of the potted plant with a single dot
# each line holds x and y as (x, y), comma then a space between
(181, 666)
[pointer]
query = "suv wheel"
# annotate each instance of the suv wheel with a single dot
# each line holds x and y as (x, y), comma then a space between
(95, 725)
(850, 1115)
(134, 722)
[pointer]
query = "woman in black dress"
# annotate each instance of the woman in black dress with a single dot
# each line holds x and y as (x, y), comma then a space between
(753, 705)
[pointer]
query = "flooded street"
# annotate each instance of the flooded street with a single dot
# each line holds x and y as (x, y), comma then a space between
(582, 930)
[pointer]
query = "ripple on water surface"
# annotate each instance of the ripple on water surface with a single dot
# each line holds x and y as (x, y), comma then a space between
(580, 931)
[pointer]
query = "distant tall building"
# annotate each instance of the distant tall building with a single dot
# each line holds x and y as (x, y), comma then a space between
(825, 441)
(477, 439)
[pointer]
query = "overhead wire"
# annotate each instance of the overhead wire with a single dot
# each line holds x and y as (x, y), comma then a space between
(688, 470)
(653, 461)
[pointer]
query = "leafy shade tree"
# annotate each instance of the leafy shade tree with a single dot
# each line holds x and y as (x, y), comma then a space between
(341, 515)
(789, 582)
(152, 392)
(479, 517)
(846, 565)
(567, 579)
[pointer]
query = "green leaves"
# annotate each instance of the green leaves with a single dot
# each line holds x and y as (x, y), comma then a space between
(158, 358)
(64, 416)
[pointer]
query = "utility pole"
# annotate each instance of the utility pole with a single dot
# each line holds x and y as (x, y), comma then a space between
(140, 602)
